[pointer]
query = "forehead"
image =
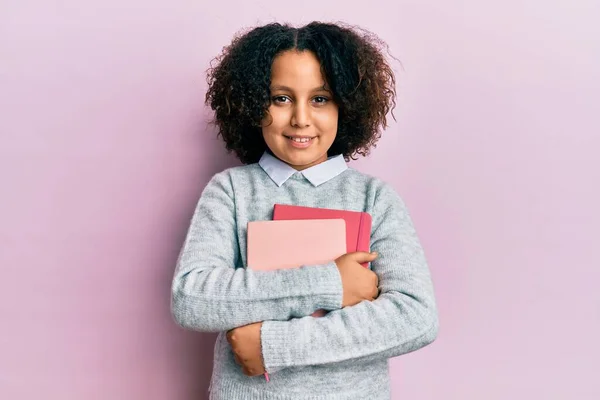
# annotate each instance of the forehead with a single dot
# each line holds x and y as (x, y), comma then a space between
(297, 70)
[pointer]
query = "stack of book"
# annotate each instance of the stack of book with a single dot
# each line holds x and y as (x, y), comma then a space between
(300, 236)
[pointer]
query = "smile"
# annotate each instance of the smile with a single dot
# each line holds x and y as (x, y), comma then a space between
(300, 139)
(298, 142)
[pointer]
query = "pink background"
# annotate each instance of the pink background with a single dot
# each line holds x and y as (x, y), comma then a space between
(104, 151)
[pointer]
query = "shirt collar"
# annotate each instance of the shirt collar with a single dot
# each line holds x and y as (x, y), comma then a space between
(318, 174)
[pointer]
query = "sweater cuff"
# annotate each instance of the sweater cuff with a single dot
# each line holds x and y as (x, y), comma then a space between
(327, 283)
(275, 345)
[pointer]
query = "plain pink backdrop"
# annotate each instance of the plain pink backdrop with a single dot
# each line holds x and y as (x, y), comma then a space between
(104, 151)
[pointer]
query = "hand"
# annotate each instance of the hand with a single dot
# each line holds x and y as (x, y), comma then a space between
(246, 346)
(359, 283)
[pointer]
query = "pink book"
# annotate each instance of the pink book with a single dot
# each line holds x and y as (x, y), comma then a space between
(358, 224)
(289, 244)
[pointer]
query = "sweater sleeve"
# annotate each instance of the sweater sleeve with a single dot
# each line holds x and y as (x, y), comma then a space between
(210, 294)
(401, 320)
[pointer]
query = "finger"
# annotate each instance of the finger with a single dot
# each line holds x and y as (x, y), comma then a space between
(363, 256)
(230, 336)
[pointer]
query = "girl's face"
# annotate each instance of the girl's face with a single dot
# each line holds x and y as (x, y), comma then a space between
(301, 122)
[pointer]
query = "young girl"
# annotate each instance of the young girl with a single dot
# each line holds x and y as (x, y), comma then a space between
(295, 104)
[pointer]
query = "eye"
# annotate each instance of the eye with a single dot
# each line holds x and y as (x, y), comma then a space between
(321, 100)
(279, 99)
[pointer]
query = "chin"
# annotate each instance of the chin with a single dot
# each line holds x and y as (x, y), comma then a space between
(303, 160)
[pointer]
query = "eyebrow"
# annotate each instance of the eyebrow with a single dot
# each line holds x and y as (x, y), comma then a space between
(285, 88)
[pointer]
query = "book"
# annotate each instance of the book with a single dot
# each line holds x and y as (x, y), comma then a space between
(358, 224)
(294, 243)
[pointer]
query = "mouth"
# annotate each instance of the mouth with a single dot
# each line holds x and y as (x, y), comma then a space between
(299, 139)
(300, 142)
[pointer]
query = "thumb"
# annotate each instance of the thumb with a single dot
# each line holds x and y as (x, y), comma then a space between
(363, 256)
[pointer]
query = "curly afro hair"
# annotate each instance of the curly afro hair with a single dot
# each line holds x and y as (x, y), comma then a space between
(352, 63)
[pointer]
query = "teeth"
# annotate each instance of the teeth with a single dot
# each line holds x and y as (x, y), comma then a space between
(300, 140)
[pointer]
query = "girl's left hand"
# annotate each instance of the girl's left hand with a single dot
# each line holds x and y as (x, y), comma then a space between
(246, 346)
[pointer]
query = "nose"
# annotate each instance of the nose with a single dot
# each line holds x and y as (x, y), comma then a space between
(300, 116)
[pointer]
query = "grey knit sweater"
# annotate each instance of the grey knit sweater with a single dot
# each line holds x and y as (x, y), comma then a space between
(342, 356)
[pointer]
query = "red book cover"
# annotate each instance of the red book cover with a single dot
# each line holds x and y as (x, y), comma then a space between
(358, 224)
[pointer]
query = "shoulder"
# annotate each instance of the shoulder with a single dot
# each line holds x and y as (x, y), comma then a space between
(229, 178)
(380, 190)
(233, 173)
(243, 170)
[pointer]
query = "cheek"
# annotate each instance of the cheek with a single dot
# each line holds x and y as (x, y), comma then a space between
(275, 120)
(328, 122)
(334, 122)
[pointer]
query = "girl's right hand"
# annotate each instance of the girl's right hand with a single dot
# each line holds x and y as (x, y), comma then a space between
(359, 283)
